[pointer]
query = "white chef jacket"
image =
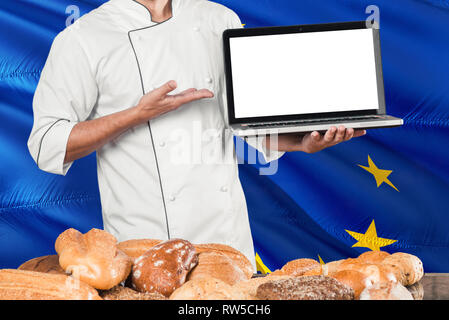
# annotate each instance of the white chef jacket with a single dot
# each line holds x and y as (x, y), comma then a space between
(103, 64)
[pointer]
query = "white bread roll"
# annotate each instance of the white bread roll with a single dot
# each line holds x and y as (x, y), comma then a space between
(93, 257)
(386, 291)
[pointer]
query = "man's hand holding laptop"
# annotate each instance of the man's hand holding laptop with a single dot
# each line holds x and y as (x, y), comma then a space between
(314, 141)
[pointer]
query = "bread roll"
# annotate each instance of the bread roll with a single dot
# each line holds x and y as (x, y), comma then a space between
(217, 265)
(331, 267)
(305, 288)
(301, 267)
(207, 288)
(123, 293)
(347, 264)
(386, 291)
(373, 257)
(164, 267)
(93, 257)
(32, 285)
(375, 273)
(249, 287)
(408, 268)
(239, 258)
(136, 248)
(355, 279)
(47, 264)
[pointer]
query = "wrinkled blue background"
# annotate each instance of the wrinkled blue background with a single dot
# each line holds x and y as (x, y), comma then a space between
(304, 209)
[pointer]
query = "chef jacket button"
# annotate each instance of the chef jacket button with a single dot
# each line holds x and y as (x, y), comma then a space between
(209, 80)
(196, 29)
(162, 144)
(224, 189)
(172, 197)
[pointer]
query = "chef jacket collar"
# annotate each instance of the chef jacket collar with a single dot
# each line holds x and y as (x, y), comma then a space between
(138, 16)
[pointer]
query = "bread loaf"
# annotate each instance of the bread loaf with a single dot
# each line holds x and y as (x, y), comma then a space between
(408, 268)
(386, 291)
(217, 265)
(355, 279)
(305, 288)
(239, 258)
(32, 285)
(164, 267)
(47, 264)
(373, 257)
(207, 288)
(249, 287)
(301, 267)
(332, 267)
(93, 257)
(136, 248)
(373, 272)
(123, 293)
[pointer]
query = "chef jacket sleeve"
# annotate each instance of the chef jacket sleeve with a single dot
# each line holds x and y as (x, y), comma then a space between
(255, 142)
(65, 95)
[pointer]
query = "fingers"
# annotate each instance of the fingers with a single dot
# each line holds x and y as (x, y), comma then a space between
(340, 134)
(186, 92)
(359, 133)
(166, 88)
(329, 136)
(349, 134)
(187, 96)
(316, 136)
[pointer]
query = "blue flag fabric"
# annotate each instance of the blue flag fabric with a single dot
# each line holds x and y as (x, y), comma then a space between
(387, 190)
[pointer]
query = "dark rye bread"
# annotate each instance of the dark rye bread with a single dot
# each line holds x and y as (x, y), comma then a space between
(124, 293)
(305, 288)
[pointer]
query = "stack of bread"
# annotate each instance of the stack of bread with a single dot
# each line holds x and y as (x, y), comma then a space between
(94, 266)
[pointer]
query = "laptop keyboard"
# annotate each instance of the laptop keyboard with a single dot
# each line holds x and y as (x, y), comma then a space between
(312, 121)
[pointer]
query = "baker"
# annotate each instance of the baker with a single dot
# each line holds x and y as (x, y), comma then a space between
(120, 81)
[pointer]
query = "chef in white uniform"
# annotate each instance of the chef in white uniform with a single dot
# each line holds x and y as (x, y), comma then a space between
(121, 81)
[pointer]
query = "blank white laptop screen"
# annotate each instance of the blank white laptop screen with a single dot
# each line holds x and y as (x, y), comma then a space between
(304, 73)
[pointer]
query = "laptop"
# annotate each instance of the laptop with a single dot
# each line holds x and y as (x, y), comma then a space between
(305, 78)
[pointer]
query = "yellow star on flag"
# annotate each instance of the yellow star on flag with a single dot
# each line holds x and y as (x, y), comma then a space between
(380, 175)
(321, 260)
(260, 265)
(369, 239)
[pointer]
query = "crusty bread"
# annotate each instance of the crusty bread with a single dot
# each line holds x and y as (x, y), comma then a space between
(373, 256)
(32, 285)
(355, 279)
(47, 264)
(217, 265)
(93, 257)
(239, 258)
(386, 291)
(332, 267)
(207, 288)
(408, 268)
(373, 272)
(124, 293)
(164, 267)
(249, 287)
(137, 247)
(301, 267)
